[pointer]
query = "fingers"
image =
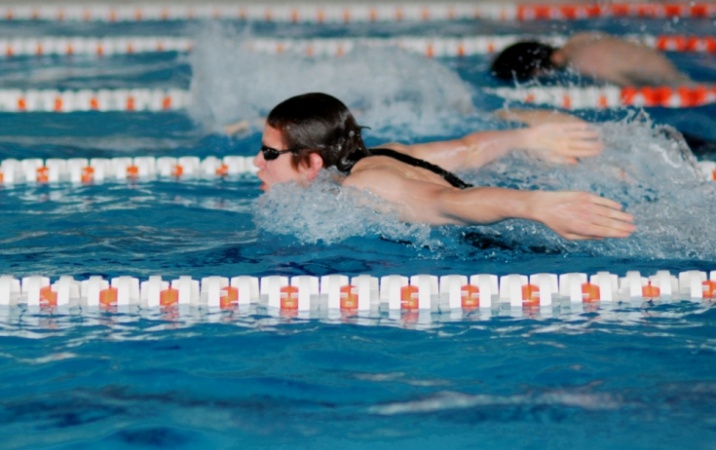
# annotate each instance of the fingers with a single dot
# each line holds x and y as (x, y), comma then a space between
(589, 216)
(608, 231)
(586, 143)
(602, 231)
(581, 150)
(586, 134)
(572, 152)
(577, 140)
(612, 228)
(608, 220)
(607, 203)
(611, 210)
(574, 126)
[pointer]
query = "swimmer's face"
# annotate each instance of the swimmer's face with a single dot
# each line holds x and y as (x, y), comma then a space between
(280, 169)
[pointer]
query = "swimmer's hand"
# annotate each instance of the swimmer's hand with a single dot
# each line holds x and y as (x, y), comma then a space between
(581, 215)
(562, 143)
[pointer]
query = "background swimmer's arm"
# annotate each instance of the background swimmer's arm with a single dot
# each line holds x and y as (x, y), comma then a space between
(241, 126)
(572, 215)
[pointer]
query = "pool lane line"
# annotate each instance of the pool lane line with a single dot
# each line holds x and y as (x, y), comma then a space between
(362, 293)
(349, 13)
(610, 97)
(98, 46)
(163, 100)
(136, 169)
(427, 46)
(85, 171)
(98, 100)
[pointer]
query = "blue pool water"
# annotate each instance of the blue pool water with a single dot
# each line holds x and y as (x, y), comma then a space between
(635, 375)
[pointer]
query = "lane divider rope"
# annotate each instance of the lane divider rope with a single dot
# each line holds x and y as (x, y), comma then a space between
(428, 46)
(157, 100)
(53, 100)
(606, 97)
(461, 46)
(362, 293)
(138, 168)
(326, 13)
(105, 46)
(147, 168)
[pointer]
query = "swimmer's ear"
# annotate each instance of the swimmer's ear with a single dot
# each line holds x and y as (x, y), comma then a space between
(315, 164)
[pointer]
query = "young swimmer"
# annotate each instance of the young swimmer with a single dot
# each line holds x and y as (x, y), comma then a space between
(311, 132)
(600, 56)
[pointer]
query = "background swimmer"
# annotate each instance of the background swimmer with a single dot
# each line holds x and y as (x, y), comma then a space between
(600, 56)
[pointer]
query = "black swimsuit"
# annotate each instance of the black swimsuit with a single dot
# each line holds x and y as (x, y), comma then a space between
(407, 159)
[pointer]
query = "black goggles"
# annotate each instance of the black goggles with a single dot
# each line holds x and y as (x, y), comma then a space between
(271, 153)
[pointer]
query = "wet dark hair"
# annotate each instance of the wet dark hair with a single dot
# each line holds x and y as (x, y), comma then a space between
(522, 61)
(319, 123)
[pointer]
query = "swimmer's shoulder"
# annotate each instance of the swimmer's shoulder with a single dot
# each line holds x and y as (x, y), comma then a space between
(377, 177)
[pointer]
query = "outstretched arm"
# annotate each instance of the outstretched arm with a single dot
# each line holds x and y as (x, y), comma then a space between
(554, 142)
(536, 116)
(572, 215)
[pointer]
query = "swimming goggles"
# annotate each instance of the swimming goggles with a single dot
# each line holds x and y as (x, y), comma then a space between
(271, 153)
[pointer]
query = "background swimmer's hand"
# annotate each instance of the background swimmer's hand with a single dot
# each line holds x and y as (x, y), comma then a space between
(581, 215)
(237, 127)
(562, 143)
(242, 126)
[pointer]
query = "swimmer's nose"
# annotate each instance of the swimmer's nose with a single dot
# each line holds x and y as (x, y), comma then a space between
(259, 160)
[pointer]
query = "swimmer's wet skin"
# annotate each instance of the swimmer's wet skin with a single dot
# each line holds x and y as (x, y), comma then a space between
(310, 132)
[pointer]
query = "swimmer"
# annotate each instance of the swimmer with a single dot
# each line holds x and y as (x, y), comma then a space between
(308, 133)
(600, 56)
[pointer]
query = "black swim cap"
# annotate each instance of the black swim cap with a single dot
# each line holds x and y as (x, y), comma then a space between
(522, 61)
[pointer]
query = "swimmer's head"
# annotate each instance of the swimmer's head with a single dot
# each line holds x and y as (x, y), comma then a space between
(523, 61)
(318, 123)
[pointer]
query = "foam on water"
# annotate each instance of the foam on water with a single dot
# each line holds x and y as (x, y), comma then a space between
(327, 213)
(646, 168)
(387, 88)
(447, 400)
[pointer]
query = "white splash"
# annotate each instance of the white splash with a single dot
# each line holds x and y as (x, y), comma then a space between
(326, 212)
(386, 88)
(645, 167)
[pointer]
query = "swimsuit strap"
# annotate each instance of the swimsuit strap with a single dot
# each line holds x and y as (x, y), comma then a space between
(407, 159)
